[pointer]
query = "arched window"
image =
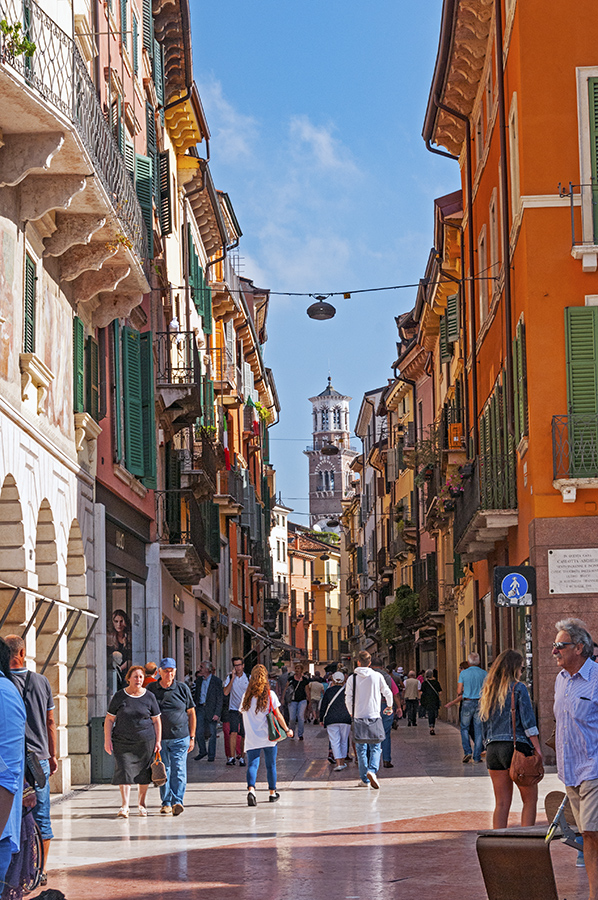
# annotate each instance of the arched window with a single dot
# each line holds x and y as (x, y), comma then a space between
(336, 418)
(325, 419)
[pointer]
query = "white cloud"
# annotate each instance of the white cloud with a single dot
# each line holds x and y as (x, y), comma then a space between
(328, 152)
(234, 134)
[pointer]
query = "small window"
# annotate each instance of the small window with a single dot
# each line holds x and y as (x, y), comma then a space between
(514, 157)
(494, 268)
(29, 304)
(479, 137)
(483, 276)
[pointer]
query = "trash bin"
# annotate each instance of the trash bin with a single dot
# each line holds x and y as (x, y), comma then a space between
(516, 864)
(102, 765)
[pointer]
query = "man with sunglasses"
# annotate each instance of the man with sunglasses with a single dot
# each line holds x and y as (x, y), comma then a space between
(576, 714)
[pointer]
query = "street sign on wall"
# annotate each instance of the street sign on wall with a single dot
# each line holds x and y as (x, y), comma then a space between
(514, 586)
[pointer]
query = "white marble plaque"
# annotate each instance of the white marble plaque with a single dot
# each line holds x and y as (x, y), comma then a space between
(573, 571)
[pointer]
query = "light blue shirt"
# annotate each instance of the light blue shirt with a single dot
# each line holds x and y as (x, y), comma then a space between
(576, 714)
(204, 688)
(12, 755)
(472, 680)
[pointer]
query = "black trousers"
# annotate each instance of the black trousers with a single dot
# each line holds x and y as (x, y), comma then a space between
(412, 711)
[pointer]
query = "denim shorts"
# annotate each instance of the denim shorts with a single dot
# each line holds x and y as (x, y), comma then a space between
(500, 753)
(41, 810)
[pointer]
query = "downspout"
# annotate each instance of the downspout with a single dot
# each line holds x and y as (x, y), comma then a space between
(504, 190)
(471, 278)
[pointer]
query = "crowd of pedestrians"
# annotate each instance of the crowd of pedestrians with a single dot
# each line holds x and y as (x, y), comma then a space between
(155, 721)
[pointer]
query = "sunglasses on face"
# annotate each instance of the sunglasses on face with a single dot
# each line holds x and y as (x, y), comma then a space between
(558, 645)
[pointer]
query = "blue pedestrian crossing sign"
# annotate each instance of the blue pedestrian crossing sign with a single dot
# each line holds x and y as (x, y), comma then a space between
(514, 585)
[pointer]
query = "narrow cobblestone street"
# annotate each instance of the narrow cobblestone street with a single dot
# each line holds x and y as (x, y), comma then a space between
(326, 839)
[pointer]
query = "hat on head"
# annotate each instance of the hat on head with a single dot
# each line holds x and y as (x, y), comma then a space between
(338, 677)
(400, 669)
(168, 663)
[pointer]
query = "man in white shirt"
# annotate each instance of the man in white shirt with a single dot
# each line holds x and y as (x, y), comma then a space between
(369, 687)
(234, 688)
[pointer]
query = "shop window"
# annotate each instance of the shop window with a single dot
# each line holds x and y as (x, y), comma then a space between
(119, 647)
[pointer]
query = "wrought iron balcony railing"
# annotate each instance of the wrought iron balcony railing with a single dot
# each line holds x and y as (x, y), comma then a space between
(179, 519)
(492, 486)
(57, 72)
(224, 371)
(231, 483)
(575, 446)
(177, 358)
(197, 455)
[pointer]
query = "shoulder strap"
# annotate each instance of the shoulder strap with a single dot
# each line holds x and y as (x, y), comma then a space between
(513, 715)
(354, 689)
(338, 693)
(26, 685)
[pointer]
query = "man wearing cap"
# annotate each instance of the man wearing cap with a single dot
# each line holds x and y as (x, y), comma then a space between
(336, 719)
(178, 734)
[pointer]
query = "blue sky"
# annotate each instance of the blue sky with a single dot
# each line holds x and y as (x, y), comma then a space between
(316, 111)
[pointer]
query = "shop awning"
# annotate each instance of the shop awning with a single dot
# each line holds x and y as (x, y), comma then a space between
(44, 606)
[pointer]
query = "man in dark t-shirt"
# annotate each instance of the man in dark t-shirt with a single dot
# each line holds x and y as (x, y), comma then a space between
(178, 733)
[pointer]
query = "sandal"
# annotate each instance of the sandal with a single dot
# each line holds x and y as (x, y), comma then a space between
(123, 813)
(143, 812)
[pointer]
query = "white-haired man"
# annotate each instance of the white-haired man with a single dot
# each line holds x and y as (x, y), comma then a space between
(576, 714)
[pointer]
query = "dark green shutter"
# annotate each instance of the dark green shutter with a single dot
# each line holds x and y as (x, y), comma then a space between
(207, 419)
(173, 496)
(452, 318)
(143, 186)
(593, 107)
(581, 332)
(359, 560)
(445, 349)
(117, 421)
(123, 23)
(134, 454)
(165, 206)
(135, 45)
(148, 27)
(117, 123)
(130, 160)
(152, 149)
(92, 379)
(520, 383)
(158, 74)
(148, 409)
(29, 306)
(207, 308)
(78, 366)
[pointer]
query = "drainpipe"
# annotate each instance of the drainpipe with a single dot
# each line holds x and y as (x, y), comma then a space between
(504, 191)
(472, 308)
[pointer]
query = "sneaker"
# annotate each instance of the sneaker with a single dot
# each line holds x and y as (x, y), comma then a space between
(300, 737)
(467, 757)
(241, 760)
(388, 764)
(230, 761)
(340, 768)
(477, 761)
(373, 780)
(361, 783)
(177, 809)
(166, 810)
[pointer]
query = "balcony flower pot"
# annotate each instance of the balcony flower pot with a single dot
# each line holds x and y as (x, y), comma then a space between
(466, 470)
(449, 505)
(455, 492)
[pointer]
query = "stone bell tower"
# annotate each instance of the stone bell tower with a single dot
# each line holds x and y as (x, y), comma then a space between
(329, 456)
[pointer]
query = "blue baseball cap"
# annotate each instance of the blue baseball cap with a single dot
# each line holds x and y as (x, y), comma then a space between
(168, 663)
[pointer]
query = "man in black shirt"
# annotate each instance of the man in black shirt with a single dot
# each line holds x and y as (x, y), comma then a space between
(178, 734)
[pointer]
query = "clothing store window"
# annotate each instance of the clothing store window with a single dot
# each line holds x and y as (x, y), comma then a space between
(119, 645)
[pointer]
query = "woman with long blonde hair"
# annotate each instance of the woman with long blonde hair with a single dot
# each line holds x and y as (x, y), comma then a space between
(495, 712)
(257, 702)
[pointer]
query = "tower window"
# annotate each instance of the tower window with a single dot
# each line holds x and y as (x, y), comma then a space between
(325, 480)
(325, 420)
(336, 418)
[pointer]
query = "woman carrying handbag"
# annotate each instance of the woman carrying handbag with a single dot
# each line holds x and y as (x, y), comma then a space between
(260, 704)
(505, 698)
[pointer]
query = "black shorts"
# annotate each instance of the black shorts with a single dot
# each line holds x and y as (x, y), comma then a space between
(500, 753)
(235, 719)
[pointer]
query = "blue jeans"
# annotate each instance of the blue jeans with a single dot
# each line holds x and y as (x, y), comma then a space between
(41, 810)
(297, 712)
(205, 724)
(368, 757)
(174, 757)
(387, 722)
(470, 710)
(5, 858)
(253, 764)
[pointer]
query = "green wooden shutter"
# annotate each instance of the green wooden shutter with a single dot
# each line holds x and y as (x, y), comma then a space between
(516, 384)
(117, 412)
(207, 308)
(165, 205)
(148, 409)
(123, 23)
(92, 378)
(446, 351)
(152, 149)
(134, 453)
(117, 123)
(29, 306)
(452, 318)
(130, 160)
(148, 27)
(207, 419)
(522, 372)
(143, 186)
(78, 366)
(173, 496)
(581, 333)
(158, 75)
(135, 45)
(593, 107)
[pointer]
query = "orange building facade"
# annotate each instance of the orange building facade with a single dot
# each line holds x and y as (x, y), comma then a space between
(514, 100)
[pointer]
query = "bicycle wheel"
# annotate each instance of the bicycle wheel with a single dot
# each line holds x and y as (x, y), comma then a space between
(38, 861)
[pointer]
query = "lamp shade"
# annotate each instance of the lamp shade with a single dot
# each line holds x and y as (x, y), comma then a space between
(321, 311)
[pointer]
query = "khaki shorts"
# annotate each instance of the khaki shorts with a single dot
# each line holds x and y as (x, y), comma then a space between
(584, 803)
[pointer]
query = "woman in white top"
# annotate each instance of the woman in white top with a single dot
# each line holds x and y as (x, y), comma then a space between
(258, 701)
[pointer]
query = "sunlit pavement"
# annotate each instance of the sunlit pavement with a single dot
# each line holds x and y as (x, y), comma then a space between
(325, 839)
